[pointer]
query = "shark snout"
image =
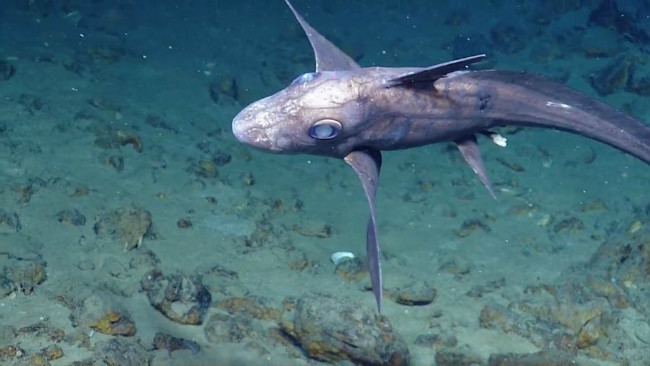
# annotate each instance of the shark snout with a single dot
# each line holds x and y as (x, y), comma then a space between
(247, 132)
(250, 136)
(243, 130)
(254, 126)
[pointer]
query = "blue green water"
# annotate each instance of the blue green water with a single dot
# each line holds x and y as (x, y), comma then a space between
(117, 159)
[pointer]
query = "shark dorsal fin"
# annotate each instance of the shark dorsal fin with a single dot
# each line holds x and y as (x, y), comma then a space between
(328, 56)
(435, 72)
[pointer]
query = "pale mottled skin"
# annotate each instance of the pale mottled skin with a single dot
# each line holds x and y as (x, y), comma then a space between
(460, 104)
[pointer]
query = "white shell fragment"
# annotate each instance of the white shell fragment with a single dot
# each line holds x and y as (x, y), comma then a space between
(499, 140)
(340, 257)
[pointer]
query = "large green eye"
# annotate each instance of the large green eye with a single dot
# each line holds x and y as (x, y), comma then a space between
(325, 129)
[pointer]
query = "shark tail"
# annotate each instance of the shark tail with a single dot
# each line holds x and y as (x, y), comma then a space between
(522, 99)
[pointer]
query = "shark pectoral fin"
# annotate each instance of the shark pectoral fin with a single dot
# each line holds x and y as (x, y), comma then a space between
(328, 56)
(472, 155)
(435, 72)
(367, 163)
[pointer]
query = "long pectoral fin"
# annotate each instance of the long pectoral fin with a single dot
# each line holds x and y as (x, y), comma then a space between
(472, 155)
(367, 163)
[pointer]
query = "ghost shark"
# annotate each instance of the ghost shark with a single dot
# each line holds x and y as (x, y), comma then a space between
(352, 113)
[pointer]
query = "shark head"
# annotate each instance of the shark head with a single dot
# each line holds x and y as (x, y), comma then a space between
(319, 113)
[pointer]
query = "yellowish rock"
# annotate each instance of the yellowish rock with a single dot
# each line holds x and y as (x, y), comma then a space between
(114, 323)
(590, 333)
(207, 169)
(52, 352)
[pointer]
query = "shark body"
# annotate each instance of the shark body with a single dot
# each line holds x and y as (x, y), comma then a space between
(352, 113)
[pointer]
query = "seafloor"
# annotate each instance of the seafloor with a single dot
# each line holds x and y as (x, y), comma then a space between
(135, 230)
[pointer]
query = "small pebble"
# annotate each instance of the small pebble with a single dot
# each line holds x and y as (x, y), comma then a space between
(7, 70)
(184, 223)
(71, 217)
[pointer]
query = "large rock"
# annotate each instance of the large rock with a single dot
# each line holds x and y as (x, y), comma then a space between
(413, 293)
(543, 358)
(121, 352)
(101, 313)
(330, 330)
(180, 298)
(128, 225)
